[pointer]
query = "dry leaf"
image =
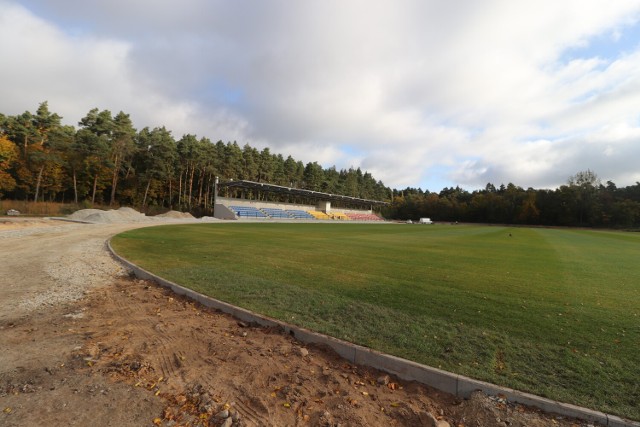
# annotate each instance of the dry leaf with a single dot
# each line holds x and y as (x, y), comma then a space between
(168, 414)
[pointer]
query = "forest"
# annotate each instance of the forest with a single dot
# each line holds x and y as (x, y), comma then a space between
(105, 161)
(583, 202)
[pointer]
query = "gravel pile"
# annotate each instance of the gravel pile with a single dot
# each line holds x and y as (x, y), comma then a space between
(129, 215)
(122, 215)
(176, 215)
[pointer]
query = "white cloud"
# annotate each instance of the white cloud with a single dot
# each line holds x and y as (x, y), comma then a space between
(76, 74)
(414, 91)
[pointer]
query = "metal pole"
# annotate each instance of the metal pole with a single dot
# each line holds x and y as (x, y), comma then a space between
(215, 196)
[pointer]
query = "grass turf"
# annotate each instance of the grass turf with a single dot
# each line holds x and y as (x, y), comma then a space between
(554, 312)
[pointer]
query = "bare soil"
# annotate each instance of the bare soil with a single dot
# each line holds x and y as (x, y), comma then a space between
(82, 343)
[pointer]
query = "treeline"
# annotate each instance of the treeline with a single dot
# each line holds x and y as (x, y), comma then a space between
(583, 202)
(105, 160)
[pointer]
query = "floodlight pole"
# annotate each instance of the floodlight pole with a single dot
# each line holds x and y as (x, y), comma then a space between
(215, 195)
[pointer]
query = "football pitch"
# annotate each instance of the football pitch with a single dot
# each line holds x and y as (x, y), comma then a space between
(555, 312)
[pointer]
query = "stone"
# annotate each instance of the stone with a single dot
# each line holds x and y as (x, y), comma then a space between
(223, 414)
(227, 422)
(303, 352)
(428, 420)
(383, 380)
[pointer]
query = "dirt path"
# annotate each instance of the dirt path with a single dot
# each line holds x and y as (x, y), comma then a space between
(83, 344)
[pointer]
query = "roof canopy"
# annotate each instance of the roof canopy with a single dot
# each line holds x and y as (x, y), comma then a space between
(277, 189)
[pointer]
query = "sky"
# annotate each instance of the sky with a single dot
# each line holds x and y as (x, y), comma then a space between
(423, 93)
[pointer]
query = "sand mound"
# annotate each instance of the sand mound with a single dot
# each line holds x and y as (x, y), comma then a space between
(110, 216)
(83, 213)
(176, 215)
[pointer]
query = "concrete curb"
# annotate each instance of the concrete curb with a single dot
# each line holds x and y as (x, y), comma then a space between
(448, 382)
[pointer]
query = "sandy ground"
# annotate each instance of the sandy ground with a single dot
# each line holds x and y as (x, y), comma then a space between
(82, 343)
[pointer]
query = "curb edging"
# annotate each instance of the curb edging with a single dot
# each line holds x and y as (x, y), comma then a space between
(457, 385)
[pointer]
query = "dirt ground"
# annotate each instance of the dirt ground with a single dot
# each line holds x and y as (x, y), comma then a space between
(84, 344)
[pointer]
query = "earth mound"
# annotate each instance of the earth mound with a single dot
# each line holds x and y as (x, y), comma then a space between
(176, 215)
(109, 217)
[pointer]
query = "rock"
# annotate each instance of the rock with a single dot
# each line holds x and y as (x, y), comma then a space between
(442, 423)
(207, 408)
(383, 380)
(428, 420)
(285, 350)
(303, 352)
(223, 414)
(227, 422)
(13, 212)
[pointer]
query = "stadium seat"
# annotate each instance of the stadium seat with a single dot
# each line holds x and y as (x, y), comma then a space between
(248, 212)
(299, 214)
(363, 216)
(276, 213)
(319, 215)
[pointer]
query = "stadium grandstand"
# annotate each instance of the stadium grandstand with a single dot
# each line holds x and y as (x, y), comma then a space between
(262, 201)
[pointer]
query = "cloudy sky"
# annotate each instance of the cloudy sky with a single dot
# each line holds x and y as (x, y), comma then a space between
(423, 93)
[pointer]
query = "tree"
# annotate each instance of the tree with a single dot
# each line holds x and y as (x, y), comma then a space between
(250, 163)
(313, 176)
(290, 172)
(31, 132)
(586, 178)
(61, 153)
(349, 182)
(529, 213)
(190, 156)
(45, 123)
(585, 185)
(156, 157)
(279, 175)
(265, 166)
(233, 162)
(8, 155)
(122, 148)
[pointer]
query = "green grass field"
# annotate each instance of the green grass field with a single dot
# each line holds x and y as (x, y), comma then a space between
(554, 312)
